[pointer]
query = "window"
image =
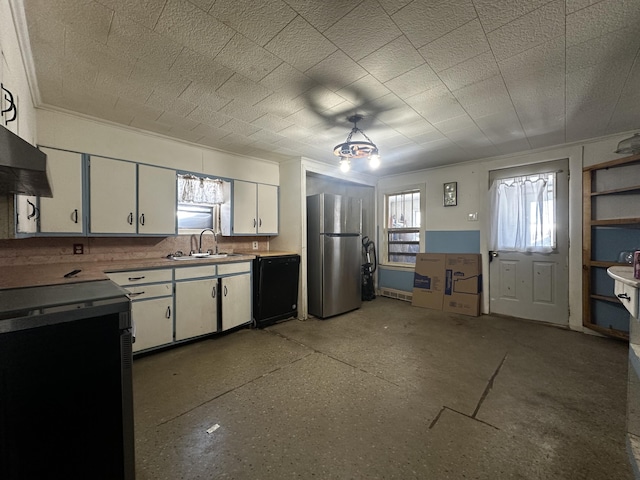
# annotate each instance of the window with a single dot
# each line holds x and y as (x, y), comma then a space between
(199, 202)
(523, 212)
(403, 226)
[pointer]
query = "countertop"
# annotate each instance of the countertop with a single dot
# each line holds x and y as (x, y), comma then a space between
(19, 276)
(624, 275)
(270, 253)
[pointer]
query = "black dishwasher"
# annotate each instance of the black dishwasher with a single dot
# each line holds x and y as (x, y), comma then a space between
(275, 288)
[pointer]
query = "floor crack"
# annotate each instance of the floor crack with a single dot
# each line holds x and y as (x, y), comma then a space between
(488, 387)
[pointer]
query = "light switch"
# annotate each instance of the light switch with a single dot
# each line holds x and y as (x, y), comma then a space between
(472, 217)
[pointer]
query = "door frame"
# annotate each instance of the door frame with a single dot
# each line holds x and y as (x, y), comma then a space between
(560, 166)
(575, 155)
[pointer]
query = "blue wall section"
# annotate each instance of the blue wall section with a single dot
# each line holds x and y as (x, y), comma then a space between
(452, 241)
(396, 279)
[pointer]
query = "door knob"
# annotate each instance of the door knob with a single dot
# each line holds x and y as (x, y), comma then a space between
(492, 255)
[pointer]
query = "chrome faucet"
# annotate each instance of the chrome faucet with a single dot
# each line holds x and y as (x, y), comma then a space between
(215, 239)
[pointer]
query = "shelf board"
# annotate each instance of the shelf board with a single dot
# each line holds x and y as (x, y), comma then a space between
(604, 264)
(616, 221)
(614, 163)
(610, 332)
(604, 298)
(618, 191)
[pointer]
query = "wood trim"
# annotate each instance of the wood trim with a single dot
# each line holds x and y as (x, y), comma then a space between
(586, 247)
(633, 189)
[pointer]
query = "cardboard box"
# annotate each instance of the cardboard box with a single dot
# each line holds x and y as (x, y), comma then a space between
(464, 303)
(463, 273)
(429, 280)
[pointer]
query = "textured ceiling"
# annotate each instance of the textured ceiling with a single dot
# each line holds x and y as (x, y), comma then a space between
(438, 82)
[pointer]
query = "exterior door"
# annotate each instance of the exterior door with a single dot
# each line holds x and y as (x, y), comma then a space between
(534, 285)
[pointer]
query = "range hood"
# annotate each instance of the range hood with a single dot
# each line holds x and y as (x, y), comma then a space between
(23, 168)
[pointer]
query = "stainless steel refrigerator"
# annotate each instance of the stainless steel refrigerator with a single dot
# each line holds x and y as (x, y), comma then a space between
(334, 256)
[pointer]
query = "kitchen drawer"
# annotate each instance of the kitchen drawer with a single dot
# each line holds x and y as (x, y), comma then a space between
(142, 292)
(140, 276)
(183, 273)
(628, 296)
(228, 268)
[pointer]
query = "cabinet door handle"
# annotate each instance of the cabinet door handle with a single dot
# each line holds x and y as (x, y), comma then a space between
(130, 218)
(254, 223)
(142, 219)
(135, 294)
(75, 216)
(225, 291)
(213, 292)
(33, 210)
(133, 279)
(169, 312)
(624, 296)
(260, 223)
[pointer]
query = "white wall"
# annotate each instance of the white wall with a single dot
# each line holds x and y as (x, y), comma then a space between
(473, 183)
(71, 132)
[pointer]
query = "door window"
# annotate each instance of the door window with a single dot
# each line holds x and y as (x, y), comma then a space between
(523, 212)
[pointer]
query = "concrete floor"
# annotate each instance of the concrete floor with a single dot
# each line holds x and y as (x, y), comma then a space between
(389, 391)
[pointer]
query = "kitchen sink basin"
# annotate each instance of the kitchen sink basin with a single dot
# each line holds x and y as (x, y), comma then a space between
(212, 256)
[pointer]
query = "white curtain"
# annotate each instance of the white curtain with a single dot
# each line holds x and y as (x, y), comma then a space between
(200, 190)
(523, 214)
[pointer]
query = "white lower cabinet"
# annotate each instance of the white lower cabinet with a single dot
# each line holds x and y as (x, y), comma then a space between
(151, 294)
(153, 320)
(236, 300)
(196, 308)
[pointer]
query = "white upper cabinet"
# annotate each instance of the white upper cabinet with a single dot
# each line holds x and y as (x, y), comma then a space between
(255, 210)
(156, 200)
(63, 213)
(267, 209)
(112, 196)
(27, 214)
(130, 199)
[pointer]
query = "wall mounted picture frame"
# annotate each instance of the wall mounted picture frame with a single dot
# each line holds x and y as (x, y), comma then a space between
(450, 198)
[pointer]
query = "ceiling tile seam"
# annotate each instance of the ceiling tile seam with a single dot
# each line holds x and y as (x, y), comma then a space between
(519, 17)
(636, 60)
(383, 46)
(584, 8)
(160, 15)
(448, 33)
(330, 26)
(503, 83)
(564, 35)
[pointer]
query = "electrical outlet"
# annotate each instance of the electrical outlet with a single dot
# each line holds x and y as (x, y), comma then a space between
(255, 245)
(78, 248)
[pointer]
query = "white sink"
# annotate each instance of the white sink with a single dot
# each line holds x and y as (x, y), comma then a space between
(202, 256)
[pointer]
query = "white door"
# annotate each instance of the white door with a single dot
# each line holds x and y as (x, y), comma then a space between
(532, 284)
(196, 308)
(112, 195)
(267, 209)
(245, 221)
(156, 200)
(63, 212)
(236, 301)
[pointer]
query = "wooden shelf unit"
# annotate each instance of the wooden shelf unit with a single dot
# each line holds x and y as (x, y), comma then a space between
(589, 263)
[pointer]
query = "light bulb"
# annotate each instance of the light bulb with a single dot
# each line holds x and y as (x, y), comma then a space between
(345, 165)
(374, 161)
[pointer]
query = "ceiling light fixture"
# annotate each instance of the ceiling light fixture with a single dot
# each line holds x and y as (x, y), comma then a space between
(357, 149)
